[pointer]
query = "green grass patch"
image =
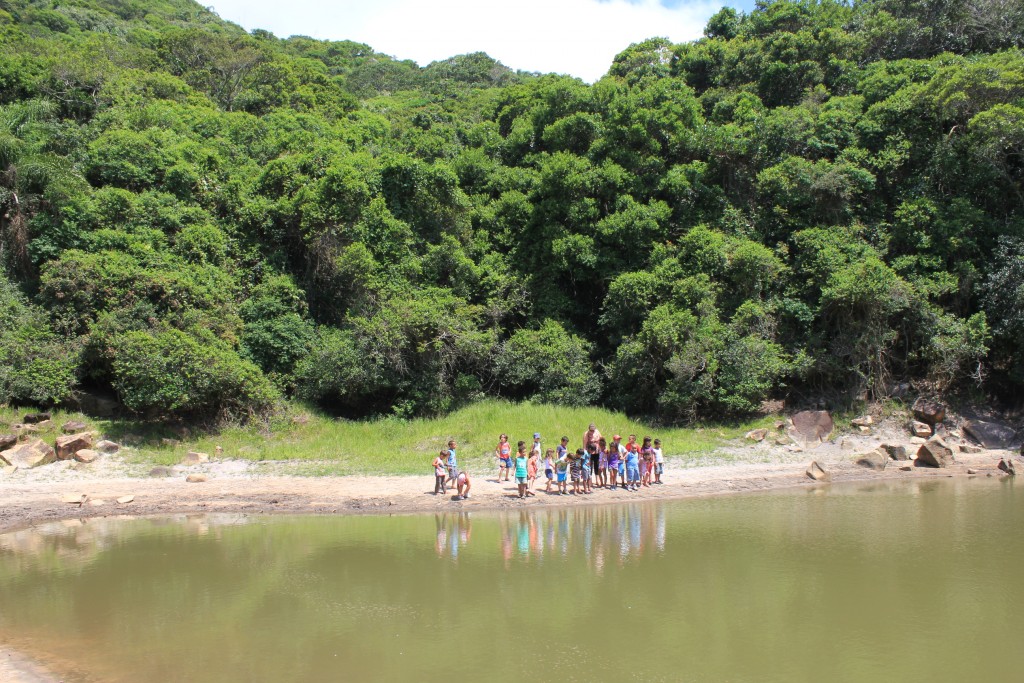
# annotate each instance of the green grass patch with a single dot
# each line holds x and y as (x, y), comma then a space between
(320, 445)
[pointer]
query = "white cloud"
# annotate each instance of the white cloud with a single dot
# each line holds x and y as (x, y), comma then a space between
(578, 37)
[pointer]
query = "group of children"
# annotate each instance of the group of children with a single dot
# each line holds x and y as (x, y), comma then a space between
(598, 464)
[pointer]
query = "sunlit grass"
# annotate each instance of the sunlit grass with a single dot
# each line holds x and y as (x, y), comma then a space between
(321, 445)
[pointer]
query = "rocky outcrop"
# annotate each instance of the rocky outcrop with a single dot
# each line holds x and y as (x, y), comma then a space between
(32, 453)
(67, 446)
(36, 418)
(928, 411)
(990, 434)
(811, 427)
(7, 441)
(935, 453)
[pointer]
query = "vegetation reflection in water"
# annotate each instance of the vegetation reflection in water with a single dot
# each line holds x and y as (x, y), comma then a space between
(912, 582)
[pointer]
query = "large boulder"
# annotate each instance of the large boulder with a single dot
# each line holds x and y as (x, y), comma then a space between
(67, 446)
(920, 429)
(7, 441)
(1006, 465)
(194, 458)
(990, 434)
(107, 446)
(36, 418)
(935, 453)
(86, 455)
(32, 453)
(757, 434)
(811, 427)
(928, 411)
(875, 460)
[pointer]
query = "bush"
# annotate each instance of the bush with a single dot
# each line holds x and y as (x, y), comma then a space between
(35, 365)
(171, 372)
(548, 364)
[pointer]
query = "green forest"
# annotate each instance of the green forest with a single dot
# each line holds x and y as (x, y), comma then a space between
(819, 201)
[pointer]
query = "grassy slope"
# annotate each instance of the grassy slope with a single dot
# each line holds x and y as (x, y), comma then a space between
(390, 446)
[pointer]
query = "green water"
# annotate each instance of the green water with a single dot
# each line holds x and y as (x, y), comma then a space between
(911, 581)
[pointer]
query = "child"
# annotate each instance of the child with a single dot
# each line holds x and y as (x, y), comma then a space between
(531, 471)
(617, 445)
(602, 462)
(453, 468)
(613, 462)
(521, 468)
(646, 462)
(440, 472)
(462, 484)
(561, 469)
(588, 467)
(659, 461)
(633, 464)
(504, 455)
(576, 470)
(549, 468)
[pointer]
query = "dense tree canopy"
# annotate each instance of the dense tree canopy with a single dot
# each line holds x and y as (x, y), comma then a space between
(819, 199)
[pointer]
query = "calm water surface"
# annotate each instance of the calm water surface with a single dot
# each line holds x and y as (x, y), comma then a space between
(915, 581)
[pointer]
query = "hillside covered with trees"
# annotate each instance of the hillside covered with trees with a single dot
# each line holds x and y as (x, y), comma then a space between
(817, 201)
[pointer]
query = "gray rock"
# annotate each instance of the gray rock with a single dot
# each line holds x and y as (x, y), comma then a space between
(107, 446)
(70, 444)
(990, 434)
(875, 460)
(935, 453)
(74, 498)
(36, 418)
(811, 427)
(73, 427)
(161, 471)
(194, 458)
(32, 453)
(124, 500)
(970, 448)
(863, 421)
(86, 455)
(818, 473)
(928, 411)
(7, 441)
(195, 478)
(1006, 465)
(896, 452)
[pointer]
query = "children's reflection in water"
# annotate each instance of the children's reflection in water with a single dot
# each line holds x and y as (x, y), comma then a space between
(453, 532)
(602, 534)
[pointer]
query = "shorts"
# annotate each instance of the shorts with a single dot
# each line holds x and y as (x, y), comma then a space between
(561, 477)
(520, 480)
(659, 468)
(633, 473)
(505, 462)
(453, 472)
(550, 474)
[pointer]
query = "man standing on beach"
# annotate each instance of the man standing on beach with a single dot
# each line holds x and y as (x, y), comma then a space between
(592, 436)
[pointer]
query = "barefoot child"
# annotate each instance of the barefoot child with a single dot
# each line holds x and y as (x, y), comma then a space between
(522, 463)
(531, 471)
(561, 470)
(504, 455)
(549, 468)
(646, 462)
(659, 461)
(440, 472)
(576, 470)
(602, 462)
(613, 464)
(453, 466)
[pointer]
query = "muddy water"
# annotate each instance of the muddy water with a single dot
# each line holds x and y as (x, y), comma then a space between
(917, 581)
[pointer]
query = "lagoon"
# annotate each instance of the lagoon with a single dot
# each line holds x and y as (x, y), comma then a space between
(901, 581)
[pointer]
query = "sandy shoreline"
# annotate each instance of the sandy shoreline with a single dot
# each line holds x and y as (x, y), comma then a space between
(24, 503)
(27, 503)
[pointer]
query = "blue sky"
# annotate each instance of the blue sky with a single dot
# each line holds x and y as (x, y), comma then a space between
(576, 37)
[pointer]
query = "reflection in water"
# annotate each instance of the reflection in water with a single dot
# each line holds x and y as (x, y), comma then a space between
(618, 533)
